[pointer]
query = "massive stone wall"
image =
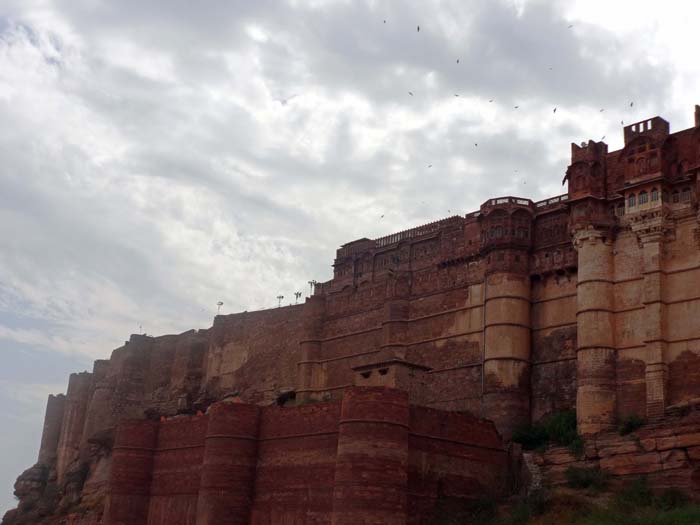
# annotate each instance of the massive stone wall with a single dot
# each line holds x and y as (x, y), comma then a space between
(512, 312)
(371, 459)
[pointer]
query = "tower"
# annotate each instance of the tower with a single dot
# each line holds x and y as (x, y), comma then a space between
(506, 226)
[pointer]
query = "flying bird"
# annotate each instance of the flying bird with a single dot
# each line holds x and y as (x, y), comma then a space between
(555, 110)
(570, 26)
(622, 122)
(284, 101)
(385, 21)
(456, 95)
(550, 68)
(410, 93)
(430, 165)
(603, 137)
(490, 101)
(381, 216)
(458, 60)
(601, 110)
(516, 107)
(418, 29)
(631, 104)
(475, 144)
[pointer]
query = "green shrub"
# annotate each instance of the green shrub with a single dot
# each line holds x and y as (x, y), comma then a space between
(559, 428)
(577, 447)
(461, 511)
(636, 494)
(671, 498)
(630, 423)
(585, 478)
(531, 436)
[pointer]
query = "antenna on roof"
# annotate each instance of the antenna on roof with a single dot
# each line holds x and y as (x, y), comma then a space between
(296, 297)
(218, 307)
(279, 300)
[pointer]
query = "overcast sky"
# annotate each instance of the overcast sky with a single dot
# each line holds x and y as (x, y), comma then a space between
(157, 157)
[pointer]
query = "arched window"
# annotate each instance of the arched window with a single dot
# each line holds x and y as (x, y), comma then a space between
(685, 195)
(499, 232)
(620, 211)
(643, 197)
(631, 200)
(654, 194)
(676, 197)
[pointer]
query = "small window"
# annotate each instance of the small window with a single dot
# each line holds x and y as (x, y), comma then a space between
(499, 232)
(383, 371)
(676, 197)
(685, 195)
(654, 194)
(620, 211)
(366, 374)
(643, 197)
(632, 200)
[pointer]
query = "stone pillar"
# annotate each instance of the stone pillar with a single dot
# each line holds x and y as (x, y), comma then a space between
(371, 473)
(312, 331)
(228, 468)
(79, 388)
(596, 357)
(506, 372)
(52, 429)
(130, 476)
(654, 325)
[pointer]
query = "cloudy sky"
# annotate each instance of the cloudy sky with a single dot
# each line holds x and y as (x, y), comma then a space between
(157, 157)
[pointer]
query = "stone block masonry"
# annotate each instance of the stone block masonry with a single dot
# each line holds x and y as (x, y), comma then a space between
(514, 311)
(372, 458)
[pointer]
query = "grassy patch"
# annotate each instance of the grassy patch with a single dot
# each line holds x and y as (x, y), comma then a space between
(630, 423)
(558, 429)
(586, 478)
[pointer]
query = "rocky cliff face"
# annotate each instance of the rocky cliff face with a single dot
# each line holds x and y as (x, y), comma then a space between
(251, 355)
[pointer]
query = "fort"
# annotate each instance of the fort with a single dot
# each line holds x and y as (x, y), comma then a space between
(403, 378)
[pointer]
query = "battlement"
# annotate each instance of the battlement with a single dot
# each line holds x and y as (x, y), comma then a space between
(655, 127)
(588, 151)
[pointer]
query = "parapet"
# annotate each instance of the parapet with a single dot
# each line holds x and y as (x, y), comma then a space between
(655, 128)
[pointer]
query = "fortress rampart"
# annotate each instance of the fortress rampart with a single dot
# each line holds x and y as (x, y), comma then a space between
(586, 300)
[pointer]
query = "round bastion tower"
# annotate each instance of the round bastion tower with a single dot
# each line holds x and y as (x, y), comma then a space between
(592, 228)
(506, 226)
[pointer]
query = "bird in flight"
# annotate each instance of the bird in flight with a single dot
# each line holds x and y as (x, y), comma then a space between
(603, 137)
(622, 122)
(458, 60)
(410, 93)
(430, 165)
(475, 144)
(516, 107)
(456, 95)
(570, 26)
(602, 109)
(418, 29)
(385, 21)
(381, 216)
(490, 101)
(284, 101)
(631, 104)
(555, 110)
